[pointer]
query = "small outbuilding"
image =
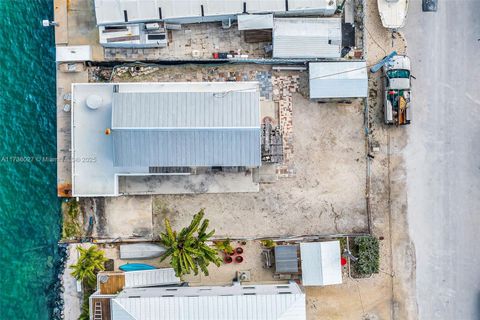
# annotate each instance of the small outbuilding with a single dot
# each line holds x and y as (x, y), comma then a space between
(339, 79)
(321, 265)
(307, 38)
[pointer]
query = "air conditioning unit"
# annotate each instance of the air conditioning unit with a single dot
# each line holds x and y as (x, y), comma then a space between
(243, 276)
(152, 26)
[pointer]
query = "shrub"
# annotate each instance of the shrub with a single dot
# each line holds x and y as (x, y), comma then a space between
(268, 243)
(71, 224)
(367, 251)
(224, 245)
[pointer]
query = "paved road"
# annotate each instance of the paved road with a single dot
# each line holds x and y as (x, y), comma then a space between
(444, 158)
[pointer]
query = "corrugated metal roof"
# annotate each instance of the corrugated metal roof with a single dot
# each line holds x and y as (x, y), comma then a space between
(238, 307)
(286, 259)
(347, 79)
(185, 110)
(187, 148)
(321, 263)
(255, 21)
(309, 4)
(307, 37)
(149, 278)
(176, 129)
(112, 11)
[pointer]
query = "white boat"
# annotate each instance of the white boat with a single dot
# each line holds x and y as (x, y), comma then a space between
(141, 251)
(393, 13)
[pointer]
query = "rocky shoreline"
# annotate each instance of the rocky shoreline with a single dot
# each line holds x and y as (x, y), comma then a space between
(57, 304)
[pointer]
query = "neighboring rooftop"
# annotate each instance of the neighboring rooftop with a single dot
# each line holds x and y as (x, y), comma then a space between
(122, 11)
(156, 125)
(307, 38)
(237, 302)
(346, 79)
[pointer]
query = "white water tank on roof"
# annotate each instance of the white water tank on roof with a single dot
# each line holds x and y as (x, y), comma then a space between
(94, 101)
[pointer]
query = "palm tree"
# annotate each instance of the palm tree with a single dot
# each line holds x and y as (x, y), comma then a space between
(91, 261)
(189, 252)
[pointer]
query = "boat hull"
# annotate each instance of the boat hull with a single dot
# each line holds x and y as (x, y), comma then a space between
(393, 13)
(140, 251)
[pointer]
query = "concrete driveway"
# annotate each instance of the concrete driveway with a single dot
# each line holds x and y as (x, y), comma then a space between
(443, 157)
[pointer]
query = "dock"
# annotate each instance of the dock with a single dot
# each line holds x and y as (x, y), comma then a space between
(76, 26)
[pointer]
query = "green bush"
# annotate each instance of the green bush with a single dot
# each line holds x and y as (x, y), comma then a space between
(71, 224)
(224, 246)
(269, 244)
(367, 251)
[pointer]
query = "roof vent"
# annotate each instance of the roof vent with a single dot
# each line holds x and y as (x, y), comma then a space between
(94, 102)
(103, 278)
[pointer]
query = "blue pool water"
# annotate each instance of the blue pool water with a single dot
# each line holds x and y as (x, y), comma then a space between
(29, 208)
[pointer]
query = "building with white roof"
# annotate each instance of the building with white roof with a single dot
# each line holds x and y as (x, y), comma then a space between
(307, 38)
(342, 79)
(237, 302)
(142, 129)
(192, 11)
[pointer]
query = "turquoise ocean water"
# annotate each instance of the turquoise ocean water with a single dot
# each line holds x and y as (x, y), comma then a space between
(29, 208)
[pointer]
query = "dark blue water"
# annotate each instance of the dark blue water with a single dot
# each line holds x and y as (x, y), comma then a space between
(29, 208)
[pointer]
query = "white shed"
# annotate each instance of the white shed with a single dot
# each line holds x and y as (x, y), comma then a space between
(321, 263)
(344, 79)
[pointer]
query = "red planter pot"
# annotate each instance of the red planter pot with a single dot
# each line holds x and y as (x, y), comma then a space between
(239, 250)
(228, 259)
(238, 259)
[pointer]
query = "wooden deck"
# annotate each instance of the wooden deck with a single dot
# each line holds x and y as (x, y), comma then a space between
(101, 309)
(114, 284)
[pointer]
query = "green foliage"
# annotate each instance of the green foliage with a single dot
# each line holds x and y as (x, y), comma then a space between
(187, 249)
(71, 225)
(224, 245)
(367, 251)
(343, 243)
(90, 262)
(85, 315)
(268, 243)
